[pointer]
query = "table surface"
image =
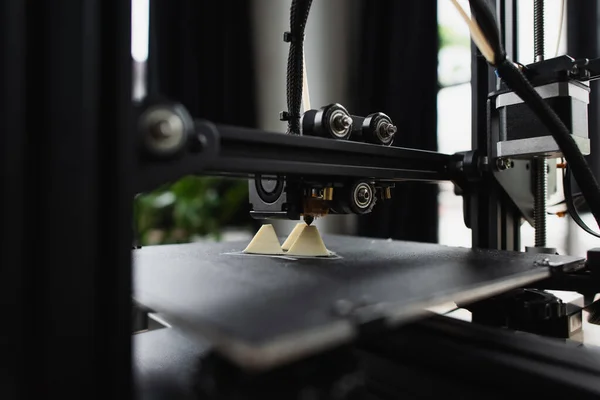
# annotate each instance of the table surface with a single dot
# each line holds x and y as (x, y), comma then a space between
(264, 311)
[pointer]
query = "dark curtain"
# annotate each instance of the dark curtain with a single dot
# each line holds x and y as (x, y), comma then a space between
(397, 74)
(201, 55)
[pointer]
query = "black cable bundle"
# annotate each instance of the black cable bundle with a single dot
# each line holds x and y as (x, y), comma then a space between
(485, 18)
(570, 202)
(295, 70)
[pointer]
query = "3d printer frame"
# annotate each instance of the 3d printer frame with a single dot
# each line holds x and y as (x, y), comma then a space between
(66, 341)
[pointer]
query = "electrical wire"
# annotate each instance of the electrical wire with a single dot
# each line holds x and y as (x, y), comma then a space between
(299, 11)
(514, 79)
(485, 18)
(570, 203)
(560, 26)
(305, 92)
(476, 34)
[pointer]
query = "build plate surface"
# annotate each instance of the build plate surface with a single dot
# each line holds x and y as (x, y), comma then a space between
(264, 311)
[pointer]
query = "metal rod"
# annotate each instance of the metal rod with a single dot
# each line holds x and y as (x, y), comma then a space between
(540, 165)
(540, 195)
(538, 29)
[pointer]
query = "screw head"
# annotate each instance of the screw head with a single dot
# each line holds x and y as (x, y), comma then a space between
(342, 121)
(504, 163)
(391, 130)
(387, 130)
(363, 195)
(346, 121)
(164, 130)
(161, 130)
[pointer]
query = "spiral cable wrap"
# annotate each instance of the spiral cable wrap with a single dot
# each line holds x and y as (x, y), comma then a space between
(298, 17)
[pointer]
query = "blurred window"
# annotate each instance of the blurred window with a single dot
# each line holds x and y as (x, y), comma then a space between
(454, 115)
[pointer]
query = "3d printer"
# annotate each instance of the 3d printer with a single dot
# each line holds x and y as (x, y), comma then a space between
(261, 328)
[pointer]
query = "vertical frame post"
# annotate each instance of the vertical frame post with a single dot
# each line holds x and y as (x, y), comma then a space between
(67, 148)
(493, 219)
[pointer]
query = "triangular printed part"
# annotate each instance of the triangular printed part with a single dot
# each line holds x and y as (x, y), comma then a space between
(264, 242)
(309, 243)
(293, 236)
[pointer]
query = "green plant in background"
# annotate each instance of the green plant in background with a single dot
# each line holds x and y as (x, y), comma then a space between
(190, 208)
(450, 37)
(455, 48)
